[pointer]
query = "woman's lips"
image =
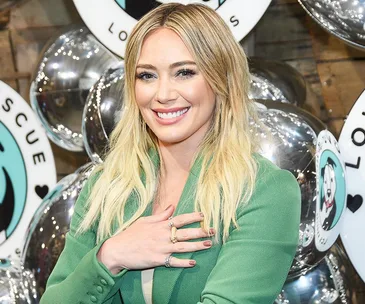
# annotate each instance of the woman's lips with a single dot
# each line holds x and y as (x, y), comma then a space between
(172, 120)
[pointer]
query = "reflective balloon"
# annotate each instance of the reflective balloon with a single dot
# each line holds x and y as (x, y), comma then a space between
(68, 68)
(275, 80)
(17, 286)
(46, 233)
(102, 111)
(331, 281)
(292, 146)
(343, 18)
(8, 4)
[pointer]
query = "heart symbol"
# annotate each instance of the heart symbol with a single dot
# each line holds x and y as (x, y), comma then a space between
(41, 191)
(354, 202)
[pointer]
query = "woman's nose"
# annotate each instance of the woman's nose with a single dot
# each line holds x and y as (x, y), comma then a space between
(166, 91)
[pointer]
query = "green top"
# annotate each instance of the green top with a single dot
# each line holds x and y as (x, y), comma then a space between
(251, 267)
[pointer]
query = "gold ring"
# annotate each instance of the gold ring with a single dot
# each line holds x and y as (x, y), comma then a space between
(173, 237)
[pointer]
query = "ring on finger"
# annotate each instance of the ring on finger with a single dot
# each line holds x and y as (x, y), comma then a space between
(167, 261)
(173, 237)
(171, 223)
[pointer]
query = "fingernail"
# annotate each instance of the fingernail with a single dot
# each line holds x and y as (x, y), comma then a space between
(168, 207)
(192, 263)
(201, 214)
(212, 231)
(207, 243)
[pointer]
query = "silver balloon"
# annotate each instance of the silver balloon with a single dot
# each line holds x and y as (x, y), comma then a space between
(343, 18)
(17, 286)
(328, 282)
(275, 80)
(68, 68)
(45, 237)
(102, 111)
(292, 146)
(8, 4)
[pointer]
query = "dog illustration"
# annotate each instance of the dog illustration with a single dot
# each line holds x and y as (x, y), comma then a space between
(6, 206)
(328, 191)
(137, 9)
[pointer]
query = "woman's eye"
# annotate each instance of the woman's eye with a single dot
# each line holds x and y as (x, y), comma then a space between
(145, 76)
(185, 73)
(1, 148)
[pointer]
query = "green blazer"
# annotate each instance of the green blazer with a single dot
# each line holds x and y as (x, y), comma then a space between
(251, 267)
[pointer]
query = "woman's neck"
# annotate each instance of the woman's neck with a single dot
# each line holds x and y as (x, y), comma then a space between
(176, 160)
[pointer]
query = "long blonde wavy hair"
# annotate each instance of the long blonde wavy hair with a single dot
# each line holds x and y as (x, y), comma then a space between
(229, 169)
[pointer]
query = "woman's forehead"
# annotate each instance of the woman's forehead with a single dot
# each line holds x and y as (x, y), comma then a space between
(163, 45)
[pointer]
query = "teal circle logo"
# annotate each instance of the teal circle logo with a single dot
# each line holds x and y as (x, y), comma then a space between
(13, 183)
(27, 170)
(112, 21)
(332, 189)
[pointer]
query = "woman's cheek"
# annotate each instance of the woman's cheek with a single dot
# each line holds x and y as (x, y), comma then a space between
(144, 94)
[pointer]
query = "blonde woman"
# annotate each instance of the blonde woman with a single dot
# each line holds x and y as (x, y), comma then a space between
(183, 210)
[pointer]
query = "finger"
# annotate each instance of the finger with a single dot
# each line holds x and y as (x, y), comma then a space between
(163, 216)
(187, 218)
(181, 247)
(191, 233)
(181, 263)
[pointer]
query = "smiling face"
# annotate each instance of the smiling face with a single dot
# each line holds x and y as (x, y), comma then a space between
(174, 98)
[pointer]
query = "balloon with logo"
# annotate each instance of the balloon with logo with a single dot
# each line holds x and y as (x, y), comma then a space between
(344, 19)
(292, 146)
(331, 281)
(27, 169)
(331, 191)
(68, 68)
(17, 285)
(46, 234)
(352, 145)
(102, 111)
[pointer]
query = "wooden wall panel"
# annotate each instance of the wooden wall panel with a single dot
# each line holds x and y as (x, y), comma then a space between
(43, 13)
(341, 70)
(282, 35)
(7, 72)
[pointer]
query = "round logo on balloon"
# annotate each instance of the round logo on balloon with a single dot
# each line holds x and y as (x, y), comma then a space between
(352, 144)
(111, 21)
(331, 191)
(27, 169)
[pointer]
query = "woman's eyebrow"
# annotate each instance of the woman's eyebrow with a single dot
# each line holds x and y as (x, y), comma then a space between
(173, 65)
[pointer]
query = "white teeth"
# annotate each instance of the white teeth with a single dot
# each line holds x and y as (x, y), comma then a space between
(172, 114)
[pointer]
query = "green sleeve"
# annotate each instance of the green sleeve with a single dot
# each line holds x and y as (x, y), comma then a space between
(78, 276)
(254, 262)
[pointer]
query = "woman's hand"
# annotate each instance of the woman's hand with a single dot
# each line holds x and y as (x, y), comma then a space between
(147, 242)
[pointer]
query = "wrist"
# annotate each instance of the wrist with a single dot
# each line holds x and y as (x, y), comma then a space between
(105, 257)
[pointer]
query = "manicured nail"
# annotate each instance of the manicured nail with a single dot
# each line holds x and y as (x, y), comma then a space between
(207, 243)
(168, 207)
(212, 231)
(192, 263)
(201, 214)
